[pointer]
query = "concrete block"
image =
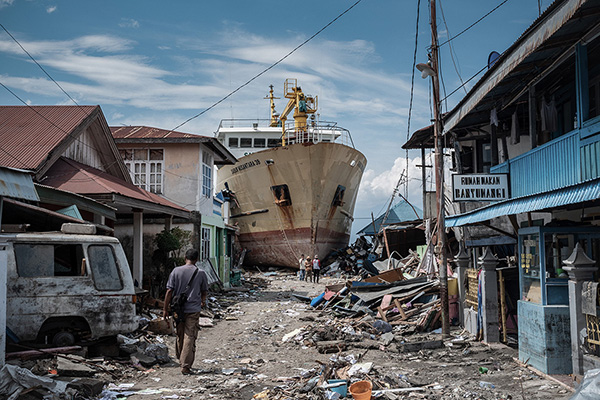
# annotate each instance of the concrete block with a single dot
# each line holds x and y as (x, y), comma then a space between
(87, 386)
(544, 337)
(416, 346)
(70, 368)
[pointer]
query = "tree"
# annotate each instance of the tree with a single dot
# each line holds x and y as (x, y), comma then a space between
(170, 252)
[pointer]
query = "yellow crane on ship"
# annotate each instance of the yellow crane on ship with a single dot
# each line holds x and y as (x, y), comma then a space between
(302, 104)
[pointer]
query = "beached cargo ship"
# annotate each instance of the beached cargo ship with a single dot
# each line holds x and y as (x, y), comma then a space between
(294, 187)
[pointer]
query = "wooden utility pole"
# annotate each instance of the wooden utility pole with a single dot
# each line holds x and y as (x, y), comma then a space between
(439, 176)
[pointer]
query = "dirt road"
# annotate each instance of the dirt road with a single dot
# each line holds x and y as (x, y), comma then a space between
(243, 355)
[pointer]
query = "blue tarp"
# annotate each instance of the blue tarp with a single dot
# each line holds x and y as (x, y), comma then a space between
(401, 212)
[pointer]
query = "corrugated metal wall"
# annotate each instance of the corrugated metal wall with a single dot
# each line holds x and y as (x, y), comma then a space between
(552, 166)
(590, 160)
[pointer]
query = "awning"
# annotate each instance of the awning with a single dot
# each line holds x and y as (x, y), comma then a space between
(575, 194)
(17, 183)
(39, 219)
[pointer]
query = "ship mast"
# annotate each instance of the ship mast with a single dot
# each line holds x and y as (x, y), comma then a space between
(274, 115)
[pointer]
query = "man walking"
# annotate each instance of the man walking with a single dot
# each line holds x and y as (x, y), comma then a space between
(316, 266)
(191, 280)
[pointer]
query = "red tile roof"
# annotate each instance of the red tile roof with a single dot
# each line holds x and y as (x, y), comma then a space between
(146, 132)
(29, 134)
(75, 177)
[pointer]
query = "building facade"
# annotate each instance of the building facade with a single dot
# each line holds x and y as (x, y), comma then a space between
(533, 118)
(180, 167)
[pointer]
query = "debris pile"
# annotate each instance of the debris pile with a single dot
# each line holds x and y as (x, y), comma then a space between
(362, 260)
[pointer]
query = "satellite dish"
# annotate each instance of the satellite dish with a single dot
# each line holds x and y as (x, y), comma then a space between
(492, 58)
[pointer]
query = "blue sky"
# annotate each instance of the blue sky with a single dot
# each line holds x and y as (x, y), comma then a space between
(158, 63)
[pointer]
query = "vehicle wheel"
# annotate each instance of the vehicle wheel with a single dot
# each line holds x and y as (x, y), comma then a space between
(63, 339)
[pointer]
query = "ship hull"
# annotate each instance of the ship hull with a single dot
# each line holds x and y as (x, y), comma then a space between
(312, 220)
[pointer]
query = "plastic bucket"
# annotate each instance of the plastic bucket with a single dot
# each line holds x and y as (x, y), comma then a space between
(361, 390)
(342, 389)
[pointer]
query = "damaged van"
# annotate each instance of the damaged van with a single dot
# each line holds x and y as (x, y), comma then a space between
(64, 288)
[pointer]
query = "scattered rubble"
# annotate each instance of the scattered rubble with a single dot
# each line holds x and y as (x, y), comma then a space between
(264, 340)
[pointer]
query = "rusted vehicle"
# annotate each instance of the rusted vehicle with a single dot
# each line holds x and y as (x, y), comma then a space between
(64, 288)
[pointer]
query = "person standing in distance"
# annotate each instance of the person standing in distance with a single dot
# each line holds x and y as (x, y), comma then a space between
(187, 330)
(302, 262)
(316, 266)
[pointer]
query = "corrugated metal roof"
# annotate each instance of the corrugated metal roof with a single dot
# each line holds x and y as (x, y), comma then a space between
(29, 134)
(17, 184)
(562, 24)
(74, 177)
(147, 132)
(570, 195)
(533, 39)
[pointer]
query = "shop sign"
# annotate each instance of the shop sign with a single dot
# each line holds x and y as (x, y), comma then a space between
(479, 187)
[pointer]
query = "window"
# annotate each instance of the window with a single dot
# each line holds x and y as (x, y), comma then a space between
(205, 243)
(47, 260)
(246, 142)
(206, 174)
(233, 142)
(338, 197)
(273, 142)
(104, 268)
(282, 195)
(259, 142)
(145, 167)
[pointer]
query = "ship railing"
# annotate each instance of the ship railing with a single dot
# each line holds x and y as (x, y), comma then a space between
(244, 123)
(323, 132)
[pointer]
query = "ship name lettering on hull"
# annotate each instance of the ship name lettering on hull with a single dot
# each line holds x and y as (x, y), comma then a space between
(244, 166)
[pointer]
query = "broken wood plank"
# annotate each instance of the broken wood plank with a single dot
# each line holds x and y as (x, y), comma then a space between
(423, 345)
(330, 346)
(385, 302)
(27, 354)
(400, 310)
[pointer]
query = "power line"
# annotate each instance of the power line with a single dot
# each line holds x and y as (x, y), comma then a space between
(266, 69)
(473, 24)
(412, 83)
(467, 81)
(38, 64)
(456, 68)
(68, 95)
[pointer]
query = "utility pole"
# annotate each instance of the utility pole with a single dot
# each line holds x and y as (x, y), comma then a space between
(439, 176)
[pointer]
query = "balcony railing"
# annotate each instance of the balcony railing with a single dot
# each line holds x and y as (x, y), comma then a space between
(564, 161)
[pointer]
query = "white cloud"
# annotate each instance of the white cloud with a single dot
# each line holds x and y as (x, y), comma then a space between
(51, 9)
(59, 48)
(129, 23)
(6, 3)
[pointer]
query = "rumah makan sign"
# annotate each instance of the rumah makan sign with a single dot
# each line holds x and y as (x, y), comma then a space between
(479, 187)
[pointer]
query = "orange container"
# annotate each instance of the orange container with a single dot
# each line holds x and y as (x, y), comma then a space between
(361, 390)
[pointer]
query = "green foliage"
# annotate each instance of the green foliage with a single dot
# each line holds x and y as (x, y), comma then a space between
(170, 252)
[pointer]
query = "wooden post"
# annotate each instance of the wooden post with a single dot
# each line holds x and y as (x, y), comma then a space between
(532, 118)
(385, 241)
(494, 144)
(439, 175)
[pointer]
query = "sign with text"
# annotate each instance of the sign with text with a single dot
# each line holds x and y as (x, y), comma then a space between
(479, 187)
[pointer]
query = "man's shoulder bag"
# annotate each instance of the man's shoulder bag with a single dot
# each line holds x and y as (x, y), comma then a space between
(178, 301)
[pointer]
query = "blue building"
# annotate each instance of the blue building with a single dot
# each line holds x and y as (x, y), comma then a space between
(534, 117)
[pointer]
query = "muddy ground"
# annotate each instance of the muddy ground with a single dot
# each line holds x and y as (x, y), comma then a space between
(243, 355)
